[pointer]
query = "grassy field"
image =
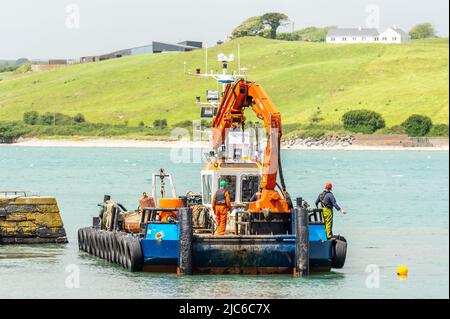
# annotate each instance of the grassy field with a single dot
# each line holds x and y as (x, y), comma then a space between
(394, 80)
(5, 75)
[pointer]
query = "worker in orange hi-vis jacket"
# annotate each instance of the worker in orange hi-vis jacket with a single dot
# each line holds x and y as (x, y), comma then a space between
(221, 205)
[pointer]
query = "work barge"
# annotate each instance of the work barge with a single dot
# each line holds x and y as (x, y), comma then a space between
(181, 247)
(266, 232)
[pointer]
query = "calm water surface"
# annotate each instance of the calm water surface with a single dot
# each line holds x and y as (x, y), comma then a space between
(398, 214)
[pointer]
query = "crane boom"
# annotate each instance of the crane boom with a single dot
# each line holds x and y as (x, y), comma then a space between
(237, 97)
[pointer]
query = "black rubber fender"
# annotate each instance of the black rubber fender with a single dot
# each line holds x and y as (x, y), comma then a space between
(86, 232)
(99, 244)
(110, 241)
(122, 252)
(86, 239)
(116, 247)
(119, 248)
(90, 241)
(80, 239)
(134, 256)
(340, 252)
(108, 246)
(96, 243)
(103, 245)
(127, 252)
(137, 257)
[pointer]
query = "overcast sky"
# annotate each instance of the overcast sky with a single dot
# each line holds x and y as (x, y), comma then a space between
(73, 28)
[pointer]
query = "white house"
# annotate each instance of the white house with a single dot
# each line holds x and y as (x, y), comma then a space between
(394, 35)
(352, 35)
(367, 35)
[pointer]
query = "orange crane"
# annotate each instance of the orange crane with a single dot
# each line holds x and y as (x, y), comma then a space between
(236, 98)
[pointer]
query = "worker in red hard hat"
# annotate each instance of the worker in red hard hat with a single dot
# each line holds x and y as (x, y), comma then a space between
(327, 200)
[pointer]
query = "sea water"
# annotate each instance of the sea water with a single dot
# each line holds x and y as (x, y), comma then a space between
(397, 203)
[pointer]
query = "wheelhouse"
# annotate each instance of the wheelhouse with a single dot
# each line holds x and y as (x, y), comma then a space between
(242, 179)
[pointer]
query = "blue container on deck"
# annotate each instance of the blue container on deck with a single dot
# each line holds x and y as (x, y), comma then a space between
(161, 246)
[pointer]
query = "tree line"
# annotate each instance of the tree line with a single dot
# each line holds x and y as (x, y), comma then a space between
(368, 122)
(7, 66)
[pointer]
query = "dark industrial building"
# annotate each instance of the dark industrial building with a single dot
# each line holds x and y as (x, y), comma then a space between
(155, 47)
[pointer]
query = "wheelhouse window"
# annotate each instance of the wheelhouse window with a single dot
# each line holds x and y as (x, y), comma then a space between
(249, 186)
(231, 185)
(207, 183)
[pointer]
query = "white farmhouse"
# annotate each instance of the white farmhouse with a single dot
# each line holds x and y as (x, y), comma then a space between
(367, 35)
(352, 35)
(394, 35)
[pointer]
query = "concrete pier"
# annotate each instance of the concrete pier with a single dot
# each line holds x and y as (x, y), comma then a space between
(30, 220)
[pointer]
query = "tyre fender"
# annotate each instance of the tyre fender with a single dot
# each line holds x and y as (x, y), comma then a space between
(90, 241)
(127, 242)
(111, 246)
(116, 243)
(103, 245)
(136, 256)
(340, 252)
(100, 244)
(83, 243)
(80, 239)
(121, 246)
(97, 243)
(108, 246)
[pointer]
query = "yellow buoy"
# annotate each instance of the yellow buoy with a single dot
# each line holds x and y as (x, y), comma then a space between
(402, 271)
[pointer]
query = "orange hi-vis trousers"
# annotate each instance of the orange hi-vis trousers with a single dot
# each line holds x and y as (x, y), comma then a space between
(221, 212)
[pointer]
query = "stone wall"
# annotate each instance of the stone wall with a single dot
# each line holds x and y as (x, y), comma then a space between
(30, 220)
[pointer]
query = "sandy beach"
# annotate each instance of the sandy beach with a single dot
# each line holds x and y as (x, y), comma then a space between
(360, 144)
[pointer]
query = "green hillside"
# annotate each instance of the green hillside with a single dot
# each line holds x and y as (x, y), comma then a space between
(394, 80)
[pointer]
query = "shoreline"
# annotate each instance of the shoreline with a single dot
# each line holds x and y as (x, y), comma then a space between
(129, 143)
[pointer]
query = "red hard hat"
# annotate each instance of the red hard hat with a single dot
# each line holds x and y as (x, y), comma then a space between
(329, 186)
